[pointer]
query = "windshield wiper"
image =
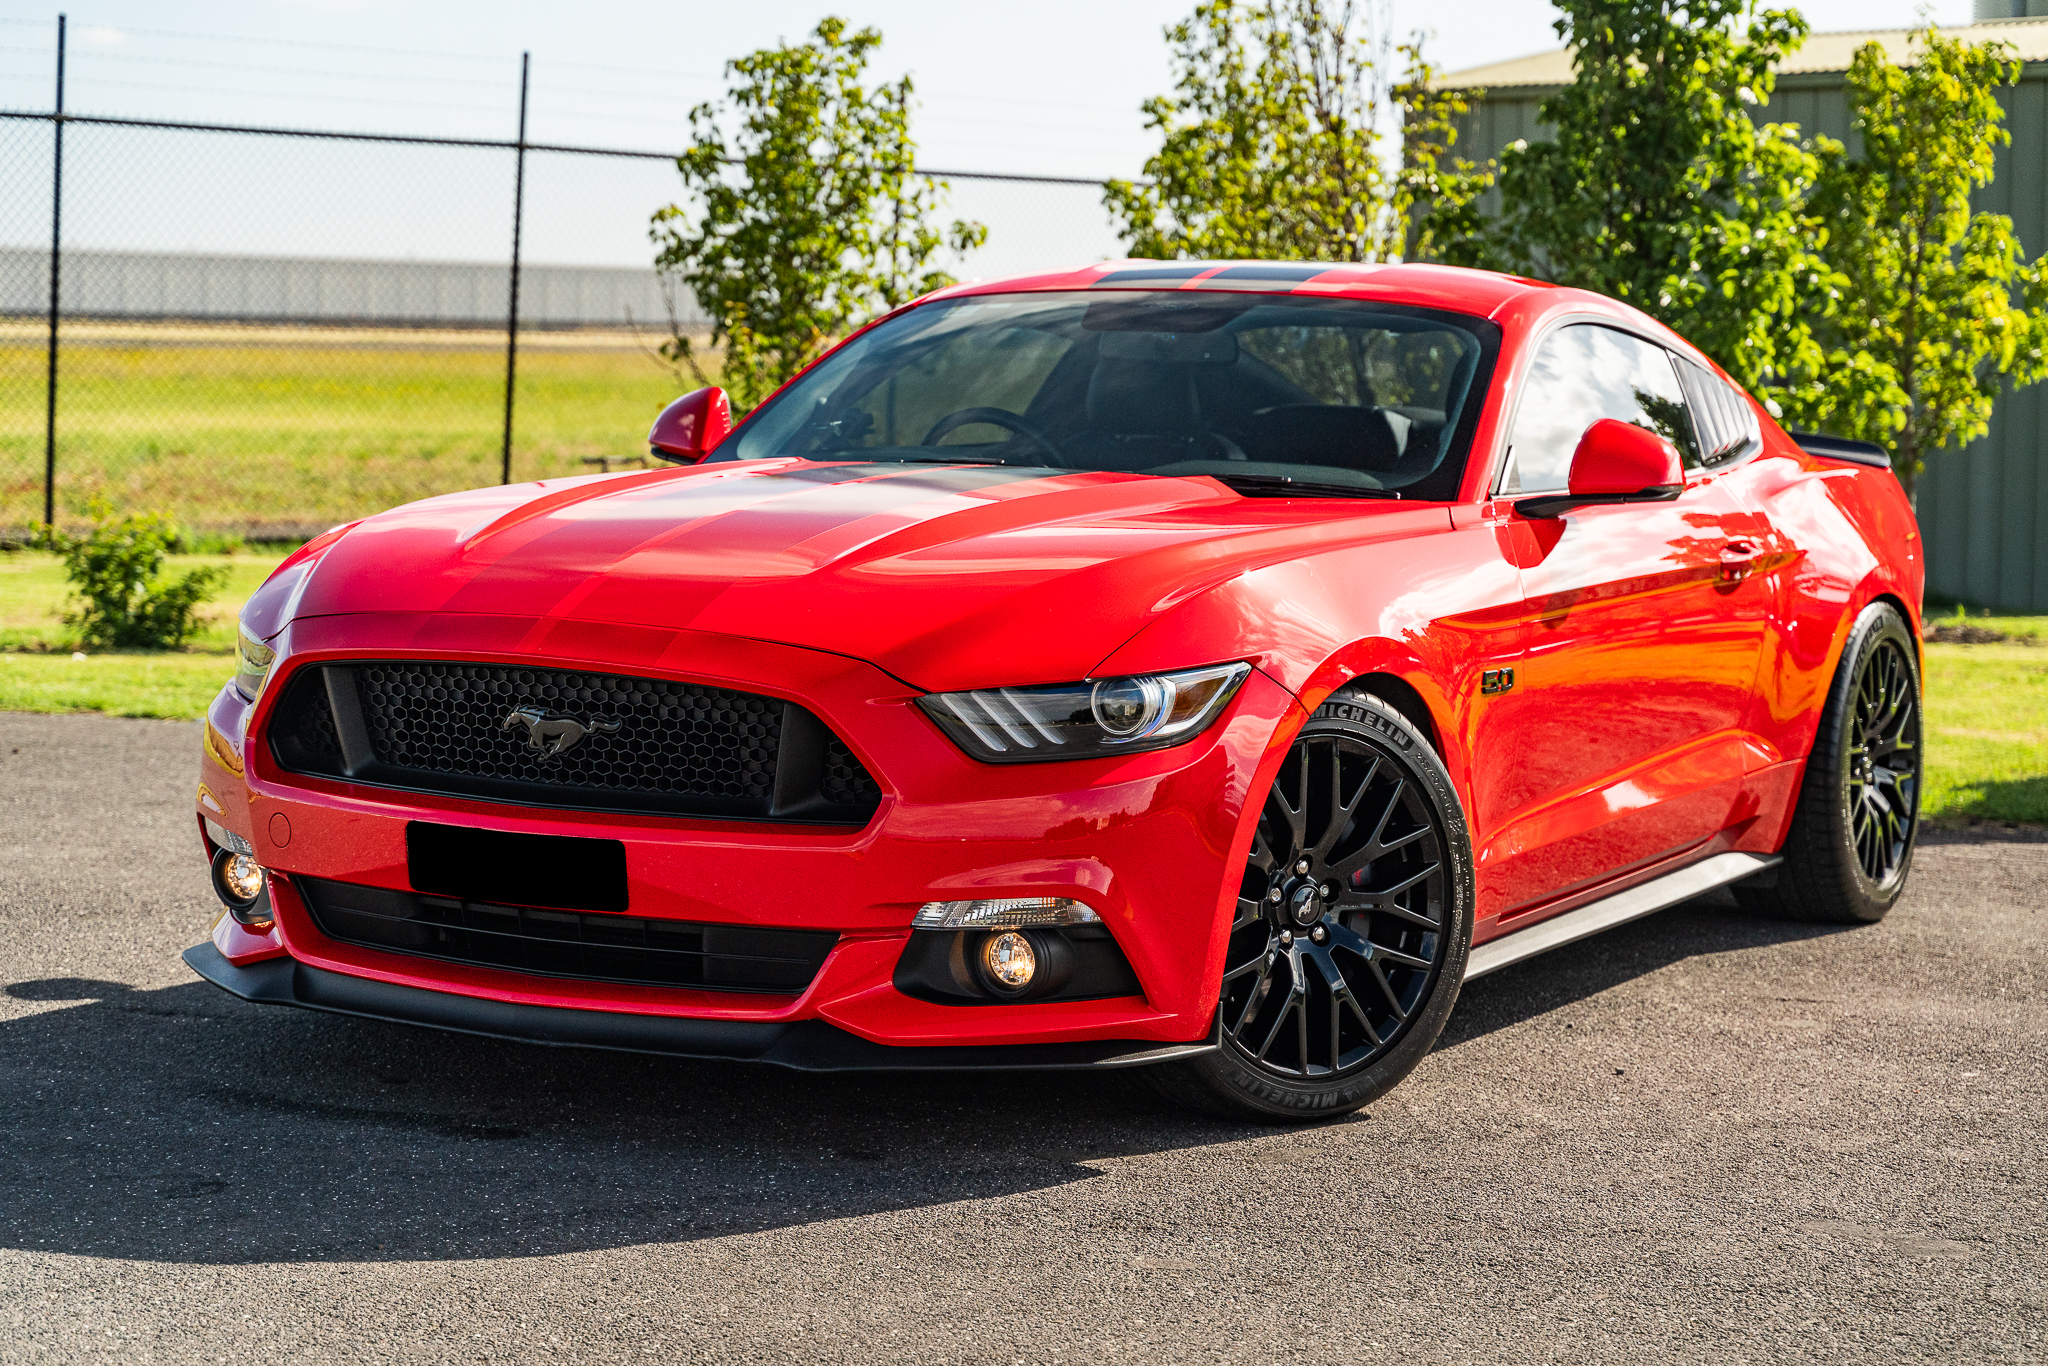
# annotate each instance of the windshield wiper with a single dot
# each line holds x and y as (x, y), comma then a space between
(1276, 485)
(943, 459)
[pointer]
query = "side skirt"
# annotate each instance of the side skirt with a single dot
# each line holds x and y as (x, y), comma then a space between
(1619, 909)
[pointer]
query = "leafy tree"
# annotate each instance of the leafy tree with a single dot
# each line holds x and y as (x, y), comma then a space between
(1939, 306)
(810, 219)
(125, 599)
(1658, 186)
(1271, 144)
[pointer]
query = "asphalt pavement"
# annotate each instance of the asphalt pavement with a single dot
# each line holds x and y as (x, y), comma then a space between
(1700, 1137)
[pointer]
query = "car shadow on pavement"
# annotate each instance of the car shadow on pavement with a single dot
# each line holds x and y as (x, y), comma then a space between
(183, 1125)
(1711, 924)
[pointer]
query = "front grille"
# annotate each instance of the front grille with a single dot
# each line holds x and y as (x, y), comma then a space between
(625, 744)
(590, 946)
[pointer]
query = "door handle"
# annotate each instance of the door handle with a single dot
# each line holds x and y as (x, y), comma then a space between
(1737, 559)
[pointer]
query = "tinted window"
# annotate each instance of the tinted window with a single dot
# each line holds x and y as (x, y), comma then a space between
(1004, 366)
(1169, 383)
(1585, 373)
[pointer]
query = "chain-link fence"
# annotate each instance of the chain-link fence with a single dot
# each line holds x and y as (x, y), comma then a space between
(264, 332)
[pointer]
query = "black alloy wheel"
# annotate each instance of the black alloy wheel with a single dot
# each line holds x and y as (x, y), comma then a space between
(1352, 924)
(1851, 843)
(1884, 763)
(1340, 924)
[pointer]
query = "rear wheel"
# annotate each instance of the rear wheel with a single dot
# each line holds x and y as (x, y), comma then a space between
(1851, 843)
(1352, 926)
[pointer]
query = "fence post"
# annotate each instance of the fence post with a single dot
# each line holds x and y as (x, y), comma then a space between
(56, 259)
(512, 313)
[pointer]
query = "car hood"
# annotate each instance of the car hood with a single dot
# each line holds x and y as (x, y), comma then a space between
(945, 576)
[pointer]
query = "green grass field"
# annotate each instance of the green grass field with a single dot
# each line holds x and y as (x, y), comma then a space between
(1987, 729)
(1986, 732)
(38, 673)
(246, 432)
(178, 686)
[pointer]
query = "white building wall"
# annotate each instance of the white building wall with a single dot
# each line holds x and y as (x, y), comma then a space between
(167, 285)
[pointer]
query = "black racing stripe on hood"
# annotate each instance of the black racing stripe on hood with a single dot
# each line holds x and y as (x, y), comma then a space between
(921, 478)
(791, 510)
(833, 474)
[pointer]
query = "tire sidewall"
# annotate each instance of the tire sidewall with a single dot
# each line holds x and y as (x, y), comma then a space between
(1368, 718)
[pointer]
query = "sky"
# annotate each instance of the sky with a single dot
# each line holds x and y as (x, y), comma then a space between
(1046, 88)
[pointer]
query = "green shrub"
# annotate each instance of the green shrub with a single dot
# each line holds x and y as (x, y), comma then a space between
(117, 570)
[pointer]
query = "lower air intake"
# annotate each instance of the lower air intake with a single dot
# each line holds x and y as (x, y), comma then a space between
(592, 947)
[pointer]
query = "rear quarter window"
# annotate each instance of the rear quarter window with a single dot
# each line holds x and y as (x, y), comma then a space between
(1726, 424)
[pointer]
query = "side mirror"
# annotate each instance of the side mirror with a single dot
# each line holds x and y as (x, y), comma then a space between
(691, 428)
(1615, 462)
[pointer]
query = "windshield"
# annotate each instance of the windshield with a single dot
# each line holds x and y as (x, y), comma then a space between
(1257, 391)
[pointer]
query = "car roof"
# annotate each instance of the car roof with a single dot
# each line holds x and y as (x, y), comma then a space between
(1483, 292)
(1515, 301)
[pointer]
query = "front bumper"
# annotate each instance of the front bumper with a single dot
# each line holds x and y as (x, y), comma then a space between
(1153, 843)
(803, 1045)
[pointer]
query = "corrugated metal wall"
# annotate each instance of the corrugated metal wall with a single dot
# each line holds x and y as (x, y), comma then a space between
(1983, 510)
(266, 289)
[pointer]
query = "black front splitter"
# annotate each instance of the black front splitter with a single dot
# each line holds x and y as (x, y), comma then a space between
(805, 1045)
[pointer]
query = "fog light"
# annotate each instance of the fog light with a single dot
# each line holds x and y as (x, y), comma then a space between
(240, 878)
(1009, 961)
(239, 882)
(1013, 913)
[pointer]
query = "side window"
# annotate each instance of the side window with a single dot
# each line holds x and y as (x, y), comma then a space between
(1585, 373)
(1727, 424)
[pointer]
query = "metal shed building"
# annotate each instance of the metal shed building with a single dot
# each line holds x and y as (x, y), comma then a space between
(1984, 511)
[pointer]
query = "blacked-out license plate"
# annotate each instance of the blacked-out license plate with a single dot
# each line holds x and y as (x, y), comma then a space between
(562, 871)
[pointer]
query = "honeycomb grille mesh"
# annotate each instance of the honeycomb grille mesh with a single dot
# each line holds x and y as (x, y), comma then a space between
(644, 734)
(575, 740)
(846, 782)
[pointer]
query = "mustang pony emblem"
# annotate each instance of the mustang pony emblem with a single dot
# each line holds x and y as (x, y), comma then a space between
(551, 732)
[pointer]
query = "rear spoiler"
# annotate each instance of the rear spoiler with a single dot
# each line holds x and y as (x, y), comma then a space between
(1838, 448)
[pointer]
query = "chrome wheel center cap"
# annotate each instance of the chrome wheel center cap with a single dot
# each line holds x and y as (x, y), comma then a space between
(1308, 905)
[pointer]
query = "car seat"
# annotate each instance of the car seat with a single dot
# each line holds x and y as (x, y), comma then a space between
(1337, 435)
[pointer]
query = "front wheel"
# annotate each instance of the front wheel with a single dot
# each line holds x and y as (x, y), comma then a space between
(1353, 921)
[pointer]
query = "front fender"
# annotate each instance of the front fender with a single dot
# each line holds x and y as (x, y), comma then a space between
(1433, 609)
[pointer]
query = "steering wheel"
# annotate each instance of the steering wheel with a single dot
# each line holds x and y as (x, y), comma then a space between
(995, 417)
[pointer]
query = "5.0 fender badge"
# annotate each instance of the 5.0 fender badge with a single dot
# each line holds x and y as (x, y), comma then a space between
(553, 733)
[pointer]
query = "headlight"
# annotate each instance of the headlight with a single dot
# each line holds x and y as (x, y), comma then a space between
(252, 663)
(1085, 720)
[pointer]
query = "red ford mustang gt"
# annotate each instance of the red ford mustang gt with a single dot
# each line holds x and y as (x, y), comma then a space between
(1203, 666)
